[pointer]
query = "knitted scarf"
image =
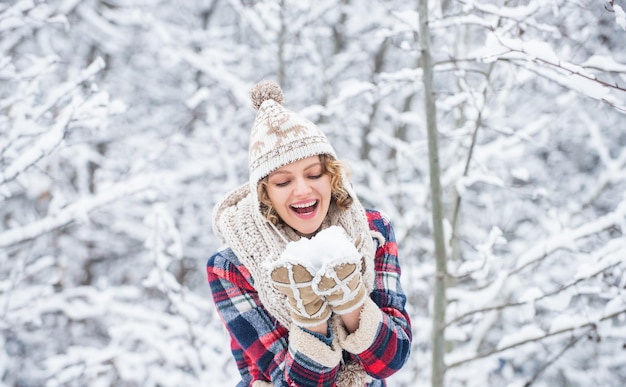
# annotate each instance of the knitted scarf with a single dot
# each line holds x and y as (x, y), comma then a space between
(254, 240)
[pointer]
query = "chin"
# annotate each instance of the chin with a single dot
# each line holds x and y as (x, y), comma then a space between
(308, 229)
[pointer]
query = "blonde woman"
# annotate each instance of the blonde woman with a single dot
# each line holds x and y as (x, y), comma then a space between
(308, 281)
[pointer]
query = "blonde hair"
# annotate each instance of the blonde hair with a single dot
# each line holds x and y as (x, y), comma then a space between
(338, 192)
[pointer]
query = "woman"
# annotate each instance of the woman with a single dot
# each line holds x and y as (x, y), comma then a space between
(308, 283)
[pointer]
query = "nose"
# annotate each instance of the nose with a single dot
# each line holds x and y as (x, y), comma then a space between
(301, 188)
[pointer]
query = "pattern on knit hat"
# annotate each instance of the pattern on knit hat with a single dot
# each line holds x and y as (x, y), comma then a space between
(280, 136)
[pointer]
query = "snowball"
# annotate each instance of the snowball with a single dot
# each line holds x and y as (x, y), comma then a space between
(326, 249)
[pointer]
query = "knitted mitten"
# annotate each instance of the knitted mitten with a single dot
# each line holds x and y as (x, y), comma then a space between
(339, 279)
(342, 286)
(307, 309)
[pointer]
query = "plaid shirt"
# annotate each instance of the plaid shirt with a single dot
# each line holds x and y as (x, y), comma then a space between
(260, 344)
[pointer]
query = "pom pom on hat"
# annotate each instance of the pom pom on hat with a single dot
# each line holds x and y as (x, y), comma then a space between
(265, 90)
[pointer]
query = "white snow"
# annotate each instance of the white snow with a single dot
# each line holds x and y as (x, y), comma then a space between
(466, 182)
(352, 89)
(559, 302)
(540, 50)
(586, 86)
(531, 294)
(620, 16)
(202, 94)
(526, 333)
(561, 322)
(518, 13)
(408, 18)
(455, 334)
(325, 249)
(521, 174)
(604, 63)
(480, 298)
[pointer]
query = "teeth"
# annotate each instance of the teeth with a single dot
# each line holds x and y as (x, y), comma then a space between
(304, 205)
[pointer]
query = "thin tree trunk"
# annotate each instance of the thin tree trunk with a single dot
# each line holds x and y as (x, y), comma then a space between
(439, 307)
(379, 61)
(281, 46)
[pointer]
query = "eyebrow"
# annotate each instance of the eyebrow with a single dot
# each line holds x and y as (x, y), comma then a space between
(277, 172)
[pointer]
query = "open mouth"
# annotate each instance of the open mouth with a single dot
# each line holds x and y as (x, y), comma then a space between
(305, 208)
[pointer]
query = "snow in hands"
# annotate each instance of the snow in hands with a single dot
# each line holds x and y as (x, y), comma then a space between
(334, 265)
(320, 254)
(327, 249)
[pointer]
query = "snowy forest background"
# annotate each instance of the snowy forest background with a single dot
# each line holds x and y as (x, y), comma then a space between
(122, 122)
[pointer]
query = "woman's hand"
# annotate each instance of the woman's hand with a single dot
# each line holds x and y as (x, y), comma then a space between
(308, 309)
(342, 286)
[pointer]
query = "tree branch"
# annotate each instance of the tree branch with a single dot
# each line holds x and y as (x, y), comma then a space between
(491, 352)
(570, 344)
(82, 207)
(522, 303)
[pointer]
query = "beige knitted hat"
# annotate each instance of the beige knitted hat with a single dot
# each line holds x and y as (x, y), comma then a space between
(280, 136)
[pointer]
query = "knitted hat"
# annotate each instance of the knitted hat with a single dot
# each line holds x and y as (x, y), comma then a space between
(280, 136)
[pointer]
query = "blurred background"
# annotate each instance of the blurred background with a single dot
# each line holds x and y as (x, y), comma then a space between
(122, 122)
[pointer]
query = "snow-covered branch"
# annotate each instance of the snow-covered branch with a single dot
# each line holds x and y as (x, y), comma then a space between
(43, 147)
(566, 239)
(166, 246)
(80, 209)
(64, 91)
(620, 14)
(568, 75)
(46, 143)
(526, 336)
(604, 260)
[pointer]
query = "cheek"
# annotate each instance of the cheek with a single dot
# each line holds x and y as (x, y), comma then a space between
(324, 186)
(274, 196)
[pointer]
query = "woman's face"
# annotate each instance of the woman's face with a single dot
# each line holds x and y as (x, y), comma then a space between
(300, 193)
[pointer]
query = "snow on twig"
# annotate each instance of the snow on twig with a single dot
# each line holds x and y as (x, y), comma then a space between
(620, 16)
(83, 206)
(208, 65)
(457, 359)
(566, 239)
(58, 94)
(50, 140)
(605, 258)
(44, 146)
(568, 75)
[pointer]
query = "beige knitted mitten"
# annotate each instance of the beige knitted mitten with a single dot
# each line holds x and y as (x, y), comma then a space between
(342, 286)
(295, 281)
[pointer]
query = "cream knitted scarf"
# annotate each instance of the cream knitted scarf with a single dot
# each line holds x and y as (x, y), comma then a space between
(254, 240)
